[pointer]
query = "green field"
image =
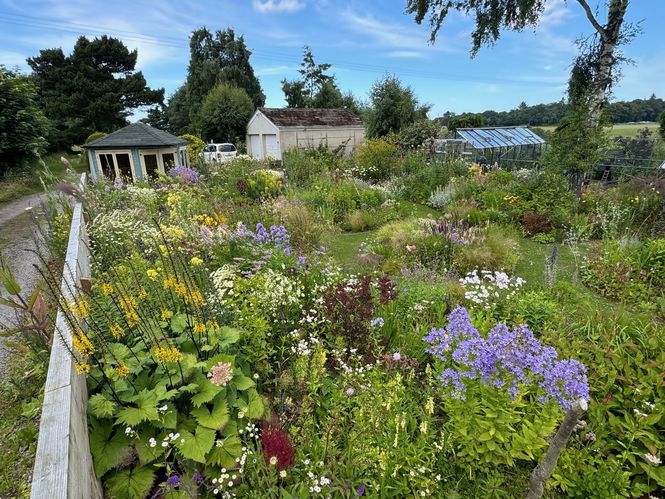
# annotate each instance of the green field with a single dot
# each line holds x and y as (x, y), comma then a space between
(622, 129)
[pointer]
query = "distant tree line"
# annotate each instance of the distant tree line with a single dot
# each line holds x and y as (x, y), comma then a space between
(551, 114)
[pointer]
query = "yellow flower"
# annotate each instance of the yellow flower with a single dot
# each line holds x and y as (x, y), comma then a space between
(128, 302)
(116, 330)
(169, 283)
(132, 317)
(80, 309)
(199, 327)
(107, 289)
(197, 297)
(167, 354)
(152, 273)
(213, 325)
(122, 371)
(142, 294)
(196, 261)
(82, 344)
(180, 289)
(166, 314)
(82, 368)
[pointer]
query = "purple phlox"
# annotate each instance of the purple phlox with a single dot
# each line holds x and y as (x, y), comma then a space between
(184, 173)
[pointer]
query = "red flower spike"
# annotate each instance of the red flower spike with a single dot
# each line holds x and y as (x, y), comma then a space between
(275, 443)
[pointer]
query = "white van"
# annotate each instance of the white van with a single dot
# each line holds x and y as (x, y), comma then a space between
(222, 153)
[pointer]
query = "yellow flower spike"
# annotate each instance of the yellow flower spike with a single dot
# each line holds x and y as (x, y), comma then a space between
(180, 289)
(152, 273)
(142, 294)
(80, 309)
(82, 368)
(196, 261)
(107, 289)
(199, 327)
(116, 330)
(167, 354)
(169, 283)
(166, 314)
(122, 371)
(82, 344)
(197, 297)
(132, 318)
(213, 325)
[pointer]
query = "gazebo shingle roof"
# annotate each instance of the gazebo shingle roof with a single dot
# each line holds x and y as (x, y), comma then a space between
(311, 117)
(137, 135)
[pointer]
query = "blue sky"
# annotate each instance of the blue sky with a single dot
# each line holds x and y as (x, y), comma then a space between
(362, 39)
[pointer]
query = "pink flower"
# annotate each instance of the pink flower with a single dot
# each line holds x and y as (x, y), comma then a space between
(221, 374)
(397, 356)
(410, 248)
(64, 160)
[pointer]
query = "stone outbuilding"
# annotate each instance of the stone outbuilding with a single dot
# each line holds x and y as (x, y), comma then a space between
(271, 131)
(137, 152)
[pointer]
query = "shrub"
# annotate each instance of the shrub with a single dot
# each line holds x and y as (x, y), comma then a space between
(94, 136)
(360, 220)
(495, 251)
(302, 167)
(536, 309)
(195, 146)
(419, 135)
(264, 184)
(375, 159)
(536, 223)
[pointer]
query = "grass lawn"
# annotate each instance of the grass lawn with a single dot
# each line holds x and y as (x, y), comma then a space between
(623, 129)
(19, 183)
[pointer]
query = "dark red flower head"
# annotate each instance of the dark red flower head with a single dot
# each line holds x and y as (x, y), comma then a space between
(275, 443)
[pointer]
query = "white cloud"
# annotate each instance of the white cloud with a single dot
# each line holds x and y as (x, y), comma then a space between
(267, 6)
(274, 70)
(407, 54)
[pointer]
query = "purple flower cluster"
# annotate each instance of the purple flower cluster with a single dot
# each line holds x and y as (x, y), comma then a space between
(276, 235)
(184, 173)
(456, 231)
(506, 358)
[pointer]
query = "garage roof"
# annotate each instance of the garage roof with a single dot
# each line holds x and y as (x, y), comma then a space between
(311, 117)
(137, 135)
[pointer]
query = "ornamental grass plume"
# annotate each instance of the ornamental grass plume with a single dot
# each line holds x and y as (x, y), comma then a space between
(511, 358)
(276, 444)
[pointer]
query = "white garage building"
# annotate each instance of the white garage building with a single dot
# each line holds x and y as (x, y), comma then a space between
(273, 131)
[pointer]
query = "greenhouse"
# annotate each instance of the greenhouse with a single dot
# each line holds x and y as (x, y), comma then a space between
(504, 146)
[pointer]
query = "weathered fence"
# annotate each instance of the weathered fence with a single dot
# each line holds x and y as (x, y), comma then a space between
(63, 463)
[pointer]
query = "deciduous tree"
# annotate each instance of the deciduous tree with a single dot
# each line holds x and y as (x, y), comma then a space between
(392, 107)
(493, 17)
(224, 114)
(23, 126)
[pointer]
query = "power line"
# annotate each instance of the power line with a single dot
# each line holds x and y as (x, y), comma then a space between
(172, 42)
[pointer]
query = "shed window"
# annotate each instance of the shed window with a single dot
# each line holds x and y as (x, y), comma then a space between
(108, 165)
(151, 166)
(124, 165)
(169, 160)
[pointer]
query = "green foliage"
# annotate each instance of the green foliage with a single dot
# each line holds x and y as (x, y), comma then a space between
(94, 88)
(23, 126)
(264, 184)
(375, 159)
(94, 136)
(661, 125)
(419, 135)
(465, 121)
(393, 107)
(224, 114)
(217, 58)
(576, 148)
(195, 146)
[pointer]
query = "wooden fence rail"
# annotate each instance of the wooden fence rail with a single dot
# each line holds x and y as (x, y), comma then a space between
(63, 463)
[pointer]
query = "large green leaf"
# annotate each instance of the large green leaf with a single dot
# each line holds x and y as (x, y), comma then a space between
(178, 323)
(107, 450)
(207, 391)
(226, 453)
(134, 483)
(242, 382)
(145, 410)
(215, 419)
(146, 453)
(197, 445)
(101, 407)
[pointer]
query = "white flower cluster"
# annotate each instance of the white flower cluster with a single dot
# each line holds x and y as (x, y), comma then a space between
(350, 354)
(304, 346)
(275, 290)
(484, 289)
(524, 173)
(223, 280)
(442, 196)
(231, 478)
(317, 484)
(112, 230)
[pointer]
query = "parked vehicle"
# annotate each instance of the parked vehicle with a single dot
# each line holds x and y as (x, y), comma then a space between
(222, 153)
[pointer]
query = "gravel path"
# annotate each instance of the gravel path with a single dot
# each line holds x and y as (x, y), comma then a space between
(16, 236)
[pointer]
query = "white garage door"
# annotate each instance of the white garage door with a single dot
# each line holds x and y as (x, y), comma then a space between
(254, 146)
(272, 147)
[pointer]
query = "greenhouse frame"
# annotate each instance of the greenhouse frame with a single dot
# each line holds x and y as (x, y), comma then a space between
(502, 145)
